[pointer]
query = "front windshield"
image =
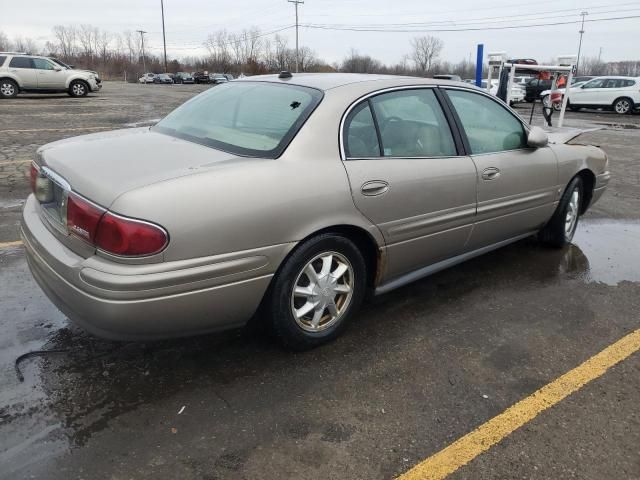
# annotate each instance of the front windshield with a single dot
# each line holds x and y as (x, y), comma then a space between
(247, 118)
(55, 60)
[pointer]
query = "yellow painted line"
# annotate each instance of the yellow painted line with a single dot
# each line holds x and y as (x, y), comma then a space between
(14, 162)
(31, 130)
(465, 449)
(17, 243)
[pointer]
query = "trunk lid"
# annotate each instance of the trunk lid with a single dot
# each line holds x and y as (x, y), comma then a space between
(103, 166)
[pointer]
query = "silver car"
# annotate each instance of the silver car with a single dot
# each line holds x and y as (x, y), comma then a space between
(287, 198)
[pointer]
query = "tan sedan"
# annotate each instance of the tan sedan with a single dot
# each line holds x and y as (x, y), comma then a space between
(288, 197)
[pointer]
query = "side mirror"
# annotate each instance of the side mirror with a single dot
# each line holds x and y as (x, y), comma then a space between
(537, 138)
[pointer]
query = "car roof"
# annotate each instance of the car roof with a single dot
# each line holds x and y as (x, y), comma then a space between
(328, 81)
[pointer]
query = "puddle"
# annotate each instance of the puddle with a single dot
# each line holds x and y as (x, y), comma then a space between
(607, 252)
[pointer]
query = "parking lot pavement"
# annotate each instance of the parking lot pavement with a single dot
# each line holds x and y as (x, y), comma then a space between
(419, 368)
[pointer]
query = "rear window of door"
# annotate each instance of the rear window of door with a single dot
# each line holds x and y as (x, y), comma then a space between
(21, 62)
(403, 123)
(2, 59)
(489, 126)
(598, 83)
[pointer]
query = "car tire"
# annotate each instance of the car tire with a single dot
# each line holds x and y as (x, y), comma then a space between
(623, 105)
(78, 88)
(306, 312)
(8, 88)
(559, 231)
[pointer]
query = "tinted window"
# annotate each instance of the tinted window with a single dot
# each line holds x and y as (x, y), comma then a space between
(361, 139)
(2, 59)
(627, 83)
(42, 64)
(489, 126)
(247, 118)
(598, 83)
(412, 124)
(20, 62)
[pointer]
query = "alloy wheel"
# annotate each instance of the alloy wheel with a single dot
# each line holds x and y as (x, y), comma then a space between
(573, 210)
(622, 106)
(7, 89)
(322, 292)
(78, 89)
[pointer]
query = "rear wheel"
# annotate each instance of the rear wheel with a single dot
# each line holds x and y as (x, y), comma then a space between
(559, 231)
(317, 290)
(8, 88)
(78, 88)
(623, 105)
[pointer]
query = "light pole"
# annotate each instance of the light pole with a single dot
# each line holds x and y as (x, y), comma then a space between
(584, 14)
(144, 64)
(164, 38)
(296, 3)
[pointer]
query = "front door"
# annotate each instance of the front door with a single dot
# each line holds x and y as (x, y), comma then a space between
(517, 185)
(588, 94)
(408, 178)
(49, 76)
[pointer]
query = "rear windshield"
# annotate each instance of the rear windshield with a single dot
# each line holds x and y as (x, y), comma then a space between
(256, 119)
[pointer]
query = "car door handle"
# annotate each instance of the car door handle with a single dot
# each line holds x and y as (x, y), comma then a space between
(374, 187)
(490, 173)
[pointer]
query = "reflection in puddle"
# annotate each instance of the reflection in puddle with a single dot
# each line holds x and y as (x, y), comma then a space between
(612, 251)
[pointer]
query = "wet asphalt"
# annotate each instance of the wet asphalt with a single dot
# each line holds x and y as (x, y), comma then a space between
(418, 368)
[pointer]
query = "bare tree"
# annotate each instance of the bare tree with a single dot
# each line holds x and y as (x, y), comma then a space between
(426, 51)
(66, 40)
(25, 44)
(5, 44)
(219, 50)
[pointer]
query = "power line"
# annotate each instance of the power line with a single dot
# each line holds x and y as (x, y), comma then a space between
(435, 30)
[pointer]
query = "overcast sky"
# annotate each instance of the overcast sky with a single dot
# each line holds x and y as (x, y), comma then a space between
(189, 21)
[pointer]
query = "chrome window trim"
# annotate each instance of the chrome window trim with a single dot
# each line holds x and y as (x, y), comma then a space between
(359, 100)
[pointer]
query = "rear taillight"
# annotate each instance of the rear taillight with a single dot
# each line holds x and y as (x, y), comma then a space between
(41, 186)
(129, 237)
(35, 171)
(83, 217)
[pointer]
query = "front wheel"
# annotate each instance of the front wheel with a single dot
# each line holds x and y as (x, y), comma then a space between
(559, 231)
(78, 89)
(317, 290)
(622, 105)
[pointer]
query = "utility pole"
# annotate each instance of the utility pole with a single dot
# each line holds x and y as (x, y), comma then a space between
(164, 38)
(144, 63)
(296, 3)
(600, 55)
(584, 14)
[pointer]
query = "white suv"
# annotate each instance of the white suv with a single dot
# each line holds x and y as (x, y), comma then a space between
(28, 73)
(621, 94)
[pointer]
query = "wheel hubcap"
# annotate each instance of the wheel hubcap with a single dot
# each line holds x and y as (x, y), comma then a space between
(7, 89)
(322, 292)
(572, 213)
(78, 89)
(622, 106)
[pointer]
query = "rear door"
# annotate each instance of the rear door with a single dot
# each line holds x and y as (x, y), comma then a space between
(409, 177)
(23, 68)
(49, 75)
(517, 185)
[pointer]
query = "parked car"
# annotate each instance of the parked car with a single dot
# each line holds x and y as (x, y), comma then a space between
(183, 77)
(217, 78)
(557, 106)
(31, 73)
(534, 88)
(229, 76)
(192, 226)
(147, 78)
(72, 67)
(517, 92)
(620, 94)
(581, 79)
(163, 78)
(448, 76)
(201, 77)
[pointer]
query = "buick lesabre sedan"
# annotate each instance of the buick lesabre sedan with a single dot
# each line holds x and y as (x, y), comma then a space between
(286, 198)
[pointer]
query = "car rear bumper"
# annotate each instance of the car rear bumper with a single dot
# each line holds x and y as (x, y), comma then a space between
(149, 301)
